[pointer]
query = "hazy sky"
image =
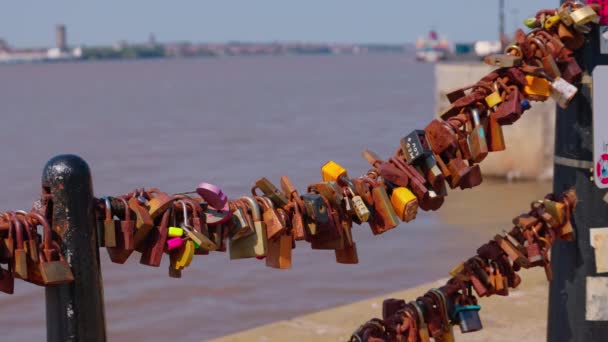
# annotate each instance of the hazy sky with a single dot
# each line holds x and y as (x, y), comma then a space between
(31, 23)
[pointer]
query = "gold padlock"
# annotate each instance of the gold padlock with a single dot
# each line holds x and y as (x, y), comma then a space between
(405, 203)
(332, 171)
(493, 99)
(537, 86)
(185, 255)
(584, 15)
(552, 21)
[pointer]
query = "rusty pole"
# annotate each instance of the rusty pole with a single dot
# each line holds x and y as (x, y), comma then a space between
(74, 312)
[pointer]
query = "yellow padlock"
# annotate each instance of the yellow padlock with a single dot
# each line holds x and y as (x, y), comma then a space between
(552, 21)
(332, 171)
(184, 255)
(537, 86)
(175, 232)
(493, 99)
(405, 203)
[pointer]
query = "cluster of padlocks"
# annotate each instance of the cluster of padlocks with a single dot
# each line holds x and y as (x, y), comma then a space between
(29, 255)
(491, 272)
(266, 224)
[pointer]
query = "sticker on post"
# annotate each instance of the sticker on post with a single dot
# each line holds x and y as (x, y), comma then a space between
(599, 242)
(596, 304)
(600, 126)
(603, 40)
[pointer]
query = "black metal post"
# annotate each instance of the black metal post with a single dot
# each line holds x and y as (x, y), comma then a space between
(74, 312)
(574, 262)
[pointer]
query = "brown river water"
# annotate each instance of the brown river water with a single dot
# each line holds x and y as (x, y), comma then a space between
(174, 123)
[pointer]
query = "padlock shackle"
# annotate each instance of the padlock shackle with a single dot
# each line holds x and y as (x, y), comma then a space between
(253, 207)
(22, 215)
(108, 208)
(18, 230)
(127, 209)
(47, 232)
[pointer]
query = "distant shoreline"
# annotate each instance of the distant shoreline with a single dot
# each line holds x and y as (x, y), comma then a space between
(188, 50)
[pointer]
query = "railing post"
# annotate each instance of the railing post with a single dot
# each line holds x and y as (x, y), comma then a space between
(574, 262)
(74, 312)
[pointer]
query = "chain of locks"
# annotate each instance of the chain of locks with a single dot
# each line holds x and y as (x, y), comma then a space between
(266, 224)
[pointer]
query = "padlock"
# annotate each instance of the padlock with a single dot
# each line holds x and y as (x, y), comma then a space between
(329, 235)
(216, 217)
(494, 99)
(467, 317)
(241, 225)
(174, 243)
(158, 202)
(185, 255)
(537, 86)
(477, 138)
(502, 61)
(455, 95)
(347, 255)
(532, 23)
(510, 109)
(156, 241)
(54, 272)
(361, 210)
(572, 72)
(572, 39)
(547, 62)
(331, 191)
(423, 330)
(32, 242)
(496, 139)
(391, 306)
(440, 136)
(415, 147)
(279, 252)
(584, 15)
(274, 226)
(7, 280)
(564, 15)
(472, 178)
(404, 203)
(20, 256)
(296, 210)
(125, 243)
(199, 239)
(8, 243)
(174, 271)
(175, 232)
(212, 194)
(316, 212)
(143, 221)
(563, 92)
(533, 251)
(514, 50)
(384, 214)
(254, 245)
(110, 225)
(271, 191)
(500, 282)
(441, 303)
(332, 172)
(552, 21)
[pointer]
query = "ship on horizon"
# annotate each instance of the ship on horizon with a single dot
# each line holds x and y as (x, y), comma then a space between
(432, 48)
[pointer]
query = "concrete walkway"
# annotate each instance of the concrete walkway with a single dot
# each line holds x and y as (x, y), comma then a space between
(519, 317)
